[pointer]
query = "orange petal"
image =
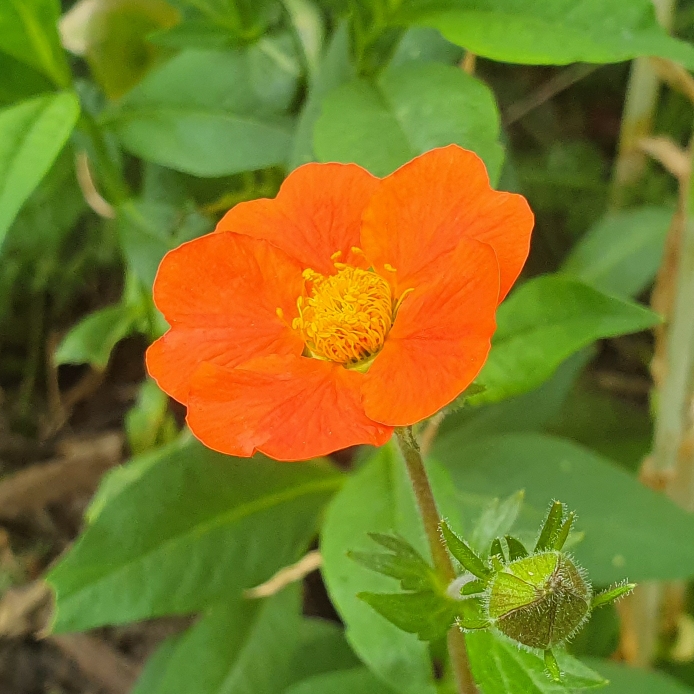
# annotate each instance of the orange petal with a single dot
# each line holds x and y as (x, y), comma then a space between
(220, 294)
(287, 407)
(439, 341)
(421, 211)
(316, 213)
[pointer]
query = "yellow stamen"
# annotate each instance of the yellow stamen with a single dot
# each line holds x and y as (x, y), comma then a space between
(347, 316)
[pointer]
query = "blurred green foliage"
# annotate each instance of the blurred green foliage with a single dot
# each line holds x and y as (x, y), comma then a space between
(130, 126)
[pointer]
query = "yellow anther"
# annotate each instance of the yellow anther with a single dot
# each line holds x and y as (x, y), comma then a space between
(347, 316)
(335, 255)
(389, 267)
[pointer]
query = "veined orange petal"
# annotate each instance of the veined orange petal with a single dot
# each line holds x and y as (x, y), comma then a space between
(316, 213)
(439, 341)
(287, 407)
(220, 294)
(421, 212)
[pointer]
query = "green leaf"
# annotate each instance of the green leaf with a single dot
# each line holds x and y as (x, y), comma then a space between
(613, 426)
(318, 646)
(213, 112)
(157, 665)
(425, 613)
(500, 667)
(149, 229)
(425, 45)
(187, 509)
(629, 680)
(497, 519)
(117, 49)
(241, 646)
(322, 648)
(630, 530)
(462, 552)
(149, 423)
(335, 69)
(379, 498)
(20, 81)
(545, 321)
(29, 33)
(621, 254)
(355, 681)
(405, 563)
(92, 340)
(528, 412)
(408, 110)
(32, 133)
(309, 25)
(557, 32)
(242, 19)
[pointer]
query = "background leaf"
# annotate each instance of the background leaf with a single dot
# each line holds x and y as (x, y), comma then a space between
(346, 682)
(187, 509)
(238, 647)
(92, 340)
(32, 133)
(545, 321)
(628, 680)
(500, 667)
(621, 253)
(558, 32)
(408, 110)
(212, 112)
(29, 32)
(630, 530)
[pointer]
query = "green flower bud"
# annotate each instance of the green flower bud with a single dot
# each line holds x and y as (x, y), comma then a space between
(539, 601)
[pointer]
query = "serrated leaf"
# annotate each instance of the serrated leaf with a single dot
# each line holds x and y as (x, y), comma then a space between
(425, 613)
(500, 667)
(463, 553)
(404, 564)
(408, 110)
(557, 32)
(186, 509)
(32, 133)
(379, 498)
(545, 321)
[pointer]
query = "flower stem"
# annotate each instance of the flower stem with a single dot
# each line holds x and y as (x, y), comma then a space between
(442, 562)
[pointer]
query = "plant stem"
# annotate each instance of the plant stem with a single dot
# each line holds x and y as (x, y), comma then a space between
(637, 117)
(670, 467)
(442, 562)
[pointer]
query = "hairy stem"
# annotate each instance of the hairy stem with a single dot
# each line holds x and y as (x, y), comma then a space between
(442, 562)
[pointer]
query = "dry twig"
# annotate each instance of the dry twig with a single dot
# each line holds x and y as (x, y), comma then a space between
(289, 574)
(77, 470)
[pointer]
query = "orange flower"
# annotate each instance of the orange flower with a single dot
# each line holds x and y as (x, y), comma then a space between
(344, 307)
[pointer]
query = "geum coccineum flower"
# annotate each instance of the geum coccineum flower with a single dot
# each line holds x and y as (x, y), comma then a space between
(344, 307)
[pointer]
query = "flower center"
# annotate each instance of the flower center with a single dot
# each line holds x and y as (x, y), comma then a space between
(347, 316)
